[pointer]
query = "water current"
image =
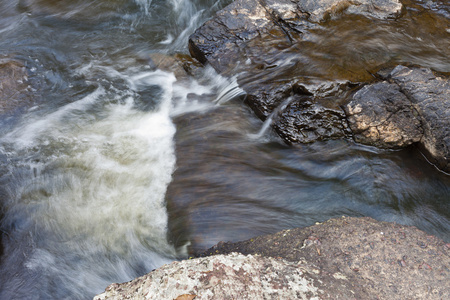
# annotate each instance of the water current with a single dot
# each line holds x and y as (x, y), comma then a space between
(116, 167)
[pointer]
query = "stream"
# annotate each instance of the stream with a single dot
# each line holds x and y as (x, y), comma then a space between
(117, 167)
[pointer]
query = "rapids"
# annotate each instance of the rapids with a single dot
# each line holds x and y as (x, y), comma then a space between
(116, 167)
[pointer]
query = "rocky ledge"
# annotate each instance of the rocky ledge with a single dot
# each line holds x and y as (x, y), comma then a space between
(345, 258)
(271, 47)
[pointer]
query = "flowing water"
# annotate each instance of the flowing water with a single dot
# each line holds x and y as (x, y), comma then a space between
(115, 168)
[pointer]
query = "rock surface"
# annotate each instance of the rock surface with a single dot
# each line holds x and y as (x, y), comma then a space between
(412, 106)
(346, 258)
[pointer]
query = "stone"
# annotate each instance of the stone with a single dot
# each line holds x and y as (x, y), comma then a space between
(430, 95)
(385, 260)
(263, 42)
(381, 115)
(411, 107)
(233, 276)
(304, 121)
(344, 258)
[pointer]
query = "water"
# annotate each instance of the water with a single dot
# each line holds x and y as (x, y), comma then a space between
(115, 168)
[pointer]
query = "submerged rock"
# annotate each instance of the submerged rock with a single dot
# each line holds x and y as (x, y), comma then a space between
(346, 258)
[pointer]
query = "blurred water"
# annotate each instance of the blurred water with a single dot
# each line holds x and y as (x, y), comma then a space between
(115, 167)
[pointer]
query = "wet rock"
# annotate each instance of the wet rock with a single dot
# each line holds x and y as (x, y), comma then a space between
(13, 85)
(321, 10)
(381, 115)
(304, 121)
(430, 96)
(263, 43)
(181, 65)
(413, 107)
(346, 258)
(226, 40)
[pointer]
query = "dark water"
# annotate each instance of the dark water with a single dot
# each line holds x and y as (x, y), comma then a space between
(115, 168)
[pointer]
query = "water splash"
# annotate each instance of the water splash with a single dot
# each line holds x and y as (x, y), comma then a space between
(87, 207)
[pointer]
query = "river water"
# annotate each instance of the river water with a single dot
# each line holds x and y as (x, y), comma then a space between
(116, 167)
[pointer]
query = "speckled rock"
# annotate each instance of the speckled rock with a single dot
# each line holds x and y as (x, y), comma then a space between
(345, 258)
(385, 260)
(233, 276)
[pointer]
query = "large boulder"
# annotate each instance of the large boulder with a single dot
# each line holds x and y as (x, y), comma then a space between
(346, 258)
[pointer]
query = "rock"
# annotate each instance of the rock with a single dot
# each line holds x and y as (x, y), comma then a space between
(180, 65)
(233, 276)
(386, 260)
(381, 115)
(324, 9)
(264, 43)
(13, 85)
(346, 258)
(413, 107)
(304, 121)
(430, 96)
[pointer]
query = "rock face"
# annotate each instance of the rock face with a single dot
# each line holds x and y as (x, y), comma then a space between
(346, 258)
(413, 105)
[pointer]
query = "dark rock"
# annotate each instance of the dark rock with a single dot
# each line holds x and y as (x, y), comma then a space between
(262, 42)
(430, 96)
(413, 108)
(381, 115)
(305, 121)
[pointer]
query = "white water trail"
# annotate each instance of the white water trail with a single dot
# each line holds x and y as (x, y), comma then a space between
(88, 208)
(268, 122)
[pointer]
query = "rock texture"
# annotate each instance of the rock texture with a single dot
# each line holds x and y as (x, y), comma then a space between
(413, 105)
(346, 258)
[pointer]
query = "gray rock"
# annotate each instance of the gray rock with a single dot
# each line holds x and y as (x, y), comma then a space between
(430, 96)
(346, 258)
(384, 260)
(233, 276)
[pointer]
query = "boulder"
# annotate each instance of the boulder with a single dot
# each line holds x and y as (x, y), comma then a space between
(345, 258)
(412, 106)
